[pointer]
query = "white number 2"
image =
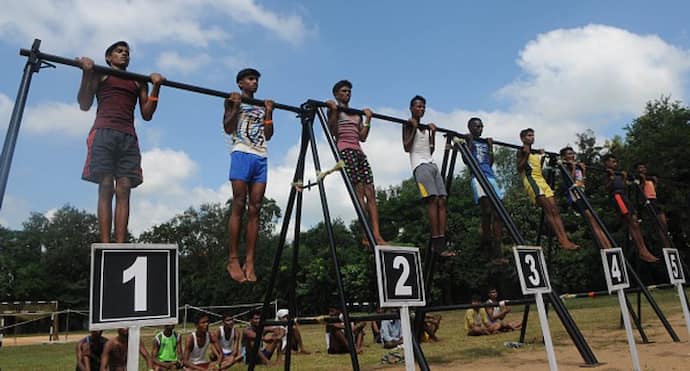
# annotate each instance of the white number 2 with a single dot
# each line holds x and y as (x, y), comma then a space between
(400, 288)
(615, 269)
(534, 274)
(137, 272)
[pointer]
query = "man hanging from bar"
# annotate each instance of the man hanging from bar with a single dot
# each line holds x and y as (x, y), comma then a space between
(647, 184)
(616, 185)
(529, 166)
(492, 225)
(348, 131)
(419, 143)
(578, 172)
(251, 127)
(113, 159)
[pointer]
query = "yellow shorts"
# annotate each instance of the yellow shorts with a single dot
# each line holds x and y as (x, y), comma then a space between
(536, 186)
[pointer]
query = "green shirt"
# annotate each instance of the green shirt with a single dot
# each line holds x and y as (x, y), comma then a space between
(167, 346)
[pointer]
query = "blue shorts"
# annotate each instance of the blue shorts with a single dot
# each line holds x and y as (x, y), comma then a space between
(478, 191)
(248, 167)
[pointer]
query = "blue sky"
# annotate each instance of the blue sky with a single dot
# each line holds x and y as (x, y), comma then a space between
(559, 67)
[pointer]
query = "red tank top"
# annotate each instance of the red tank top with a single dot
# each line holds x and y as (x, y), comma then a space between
(116, 100)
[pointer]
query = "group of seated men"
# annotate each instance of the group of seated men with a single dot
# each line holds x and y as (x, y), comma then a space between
(200, 350)
(488, 320)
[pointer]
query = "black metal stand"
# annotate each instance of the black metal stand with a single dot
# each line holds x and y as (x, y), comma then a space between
(560, 309)
(569, 181)
(307, 118)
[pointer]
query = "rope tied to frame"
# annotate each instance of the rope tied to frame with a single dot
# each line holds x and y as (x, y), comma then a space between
(320, 175)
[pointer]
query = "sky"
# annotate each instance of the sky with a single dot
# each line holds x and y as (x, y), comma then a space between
(558, 67)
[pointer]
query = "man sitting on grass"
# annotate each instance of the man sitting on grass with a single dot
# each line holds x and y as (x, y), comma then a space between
(477, 322)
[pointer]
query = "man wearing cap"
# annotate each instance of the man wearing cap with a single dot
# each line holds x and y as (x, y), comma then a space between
(297, 343)
(113, 159)
(250, 127)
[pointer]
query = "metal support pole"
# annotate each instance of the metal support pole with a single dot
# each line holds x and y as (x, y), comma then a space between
(628, 332)
(133, 348)
(292, 305)
(33, 65)
(544, 322)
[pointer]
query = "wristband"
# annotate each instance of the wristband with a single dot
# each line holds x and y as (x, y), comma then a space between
(367, 125)
(268, 122)
(153, 99)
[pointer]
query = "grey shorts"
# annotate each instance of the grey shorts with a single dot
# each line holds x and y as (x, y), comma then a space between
(111, 152)
(429, 180)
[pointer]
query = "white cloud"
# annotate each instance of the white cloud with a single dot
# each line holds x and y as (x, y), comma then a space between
(596, 71)
(165, 170)
(58, 118)
(147, 21)
(172, 61)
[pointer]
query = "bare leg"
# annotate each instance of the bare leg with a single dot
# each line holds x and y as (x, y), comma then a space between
(442, 215)
(239, 199)
(599, 234)
(485, 206)
(553, 217)
(663, 231)
(359, 190)
(432, 211)
(254, 208)
(122, 191)
(370, 195)
(106, 190)
(636, 234)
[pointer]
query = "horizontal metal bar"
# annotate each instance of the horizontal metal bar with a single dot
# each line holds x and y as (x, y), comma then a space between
(145, 78)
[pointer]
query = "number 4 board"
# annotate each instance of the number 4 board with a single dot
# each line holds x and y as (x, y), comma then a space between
(133, 285)
(615, 269)
(534, 278)
(399, 274)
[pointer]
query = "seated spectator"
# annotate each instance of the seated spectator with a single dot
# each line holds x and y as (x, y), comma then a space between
(227, 340)
(297, 343)
(89, 350)
(477, 322)
(167, 349)
(497, 314)
(271, 339)
(431, 325)
(336, 341)
(196, 347)
(391, 333)
(114, 356)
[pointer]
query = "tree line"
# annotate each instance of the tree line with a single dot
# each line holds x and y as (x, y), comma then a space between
(49, 258)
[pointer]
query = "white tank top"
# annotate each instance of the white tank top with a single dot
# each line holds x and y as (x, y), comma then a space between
(226, 345)
(420, 153)
(198, 355)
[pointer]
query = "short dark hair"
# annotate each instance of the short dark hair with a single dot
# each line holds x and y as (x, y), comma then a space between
(567, 148)
(607, 156)
(639, 163)
(228, 315)
(255, 312)
(200, 316)
(417, 97)
(524, 132)
(112, 47)
(476, 297)
(338, 85)
(473, 119)
(247, 72)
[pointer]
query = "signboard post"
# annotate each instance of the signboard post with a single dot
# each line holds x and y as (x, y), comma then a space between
(616, 275)
(534, 279)
(401, 284)
(133, 285)
(677, 277)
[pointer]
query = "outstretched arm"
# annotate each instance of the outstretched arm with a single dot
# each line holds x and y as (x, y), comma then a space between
(231, 116)
(148, 103)
(409, 130)
(522, 155)
(364, 128)
(89, 83)
(268, 119)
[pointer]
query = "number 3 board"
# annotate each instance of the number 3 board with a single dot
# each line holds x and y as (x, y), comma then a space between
(399, 273)
(534, 278)
(133, 285)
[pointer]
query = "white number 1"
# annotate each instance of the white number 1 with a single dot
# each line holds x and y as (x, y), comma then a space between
(137, 272)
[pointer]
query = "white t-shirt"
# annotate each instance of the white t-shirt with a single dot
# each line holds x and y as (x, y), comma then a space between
(226, 345)
(198, 354)
(420, 152)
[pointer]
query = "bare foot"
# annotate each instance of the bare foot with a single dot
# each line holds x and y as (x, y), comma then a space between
(304, 351)
(568, 245)
(381, 241)
(648, 257)
(249, 271)
(448, 253)
(234, 269)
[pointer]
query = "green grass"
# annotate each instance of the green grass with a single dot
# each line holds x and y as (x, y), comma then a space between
(593, 317)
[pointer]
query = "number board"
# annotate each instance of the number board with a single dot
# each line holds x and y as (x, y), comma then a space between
(674, 266)
(133, 285)
(615, 271)
(400, 279)
(534, 278)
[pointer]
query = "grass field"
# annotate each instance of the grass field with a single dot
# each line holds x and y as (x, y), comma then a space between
(597, 318)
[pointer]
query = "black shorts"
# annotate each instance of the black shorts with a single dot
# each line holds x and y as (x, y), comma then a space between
(112, 152)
